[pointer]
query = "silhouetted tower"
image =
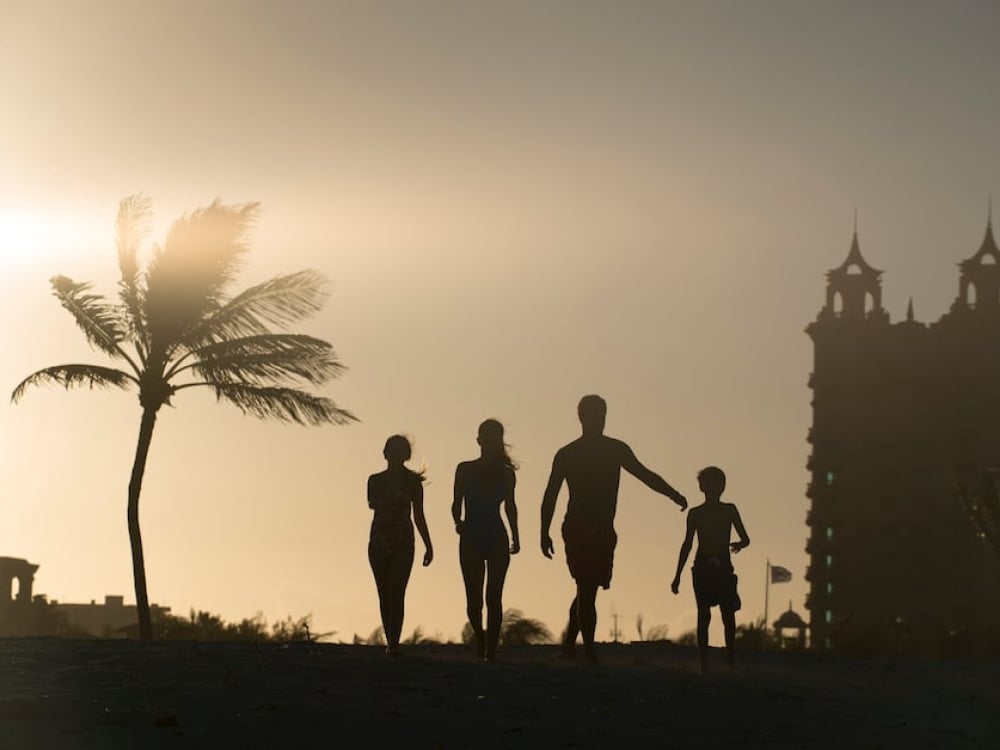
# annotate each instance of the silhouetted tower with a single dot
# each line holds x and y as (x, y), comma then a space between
(901, 413)
(979, 281)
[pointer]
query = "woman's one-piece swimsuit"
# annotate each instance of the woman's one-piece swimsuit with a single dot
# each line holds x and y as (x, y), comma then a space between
(483, 528)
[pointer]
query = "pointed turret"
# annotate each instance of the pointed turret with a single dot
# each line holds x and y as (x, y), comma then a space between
(854, 288)
(979, 279)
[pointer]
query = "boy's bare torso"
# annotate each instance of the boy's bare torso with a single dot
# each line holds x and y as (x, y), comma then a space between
(713, 523)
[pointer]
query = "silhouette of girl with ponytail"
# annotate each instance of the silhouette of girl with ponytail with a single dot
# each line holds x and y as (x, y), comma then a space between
(484, 551)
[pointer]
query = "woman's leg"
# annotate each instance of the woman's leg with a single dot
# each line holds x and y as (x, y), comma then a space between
(497, 564)
(473, 571)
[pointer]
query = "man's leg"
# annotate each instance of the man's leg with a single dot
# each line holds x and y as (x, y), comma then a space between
(704, 618)
(729, 624)
(586, 613)
(572, 631)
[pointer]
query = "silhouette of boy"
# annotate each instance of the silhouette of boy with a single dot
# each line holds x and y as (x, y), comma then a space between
(591, 465)
(712, 573)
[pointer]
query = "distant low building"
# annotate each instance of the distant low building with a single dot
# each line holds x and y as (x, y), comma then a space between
(112, 619)
(21, 613)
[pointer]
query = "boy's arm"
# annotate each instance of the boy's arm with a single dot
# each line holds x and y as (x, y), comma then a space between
(685, 551)
(741, 531)
(650, 478)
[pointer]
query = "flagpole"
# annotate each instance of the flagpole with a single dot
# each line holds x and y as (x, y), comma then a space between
(767, 589)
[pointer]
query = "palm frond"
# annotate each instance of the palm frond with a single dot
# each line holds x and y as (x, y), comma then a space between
(131, 227)
(98, 319)
(267, 358)
(187, 275)
(276, 302)
(284, 404)
(70, 376)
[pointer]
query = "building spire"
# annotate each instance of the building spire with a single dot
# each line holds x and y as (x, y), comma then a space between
(909, 311)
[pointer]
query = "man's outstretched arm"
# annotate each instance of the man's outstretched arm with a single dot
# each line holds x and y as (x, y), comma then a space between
(685, 551)
(556, 478)
(651, 479)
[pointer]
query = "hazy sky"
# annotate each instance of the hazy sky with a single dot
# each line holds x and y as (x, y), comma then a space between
(518, 204)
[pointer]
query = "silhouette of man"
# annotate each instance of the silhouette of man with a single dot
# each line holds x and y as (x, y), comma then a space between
(712, 573)
(591, 466)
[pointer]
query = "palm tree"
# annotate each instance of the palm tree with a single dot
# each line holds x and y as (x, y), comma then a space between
(518, 630)
(174, 327)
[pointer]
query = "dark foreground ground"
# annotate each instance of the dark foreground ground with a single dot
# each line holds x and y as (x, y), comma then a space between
(124, 694)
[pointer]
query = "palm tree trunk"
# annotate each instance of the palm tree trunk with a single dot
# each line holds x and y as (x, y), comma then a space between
(135, 537)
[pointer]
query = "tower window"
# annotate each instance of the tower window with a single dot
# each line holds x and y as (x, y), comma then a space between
(830, 476)
(829, 587)
(829, 533)
(829, 561)
(828, 617)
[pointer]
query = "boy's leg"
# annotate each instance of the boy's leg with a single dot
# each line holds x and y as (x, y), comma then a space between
(729, 625)
(704, 618)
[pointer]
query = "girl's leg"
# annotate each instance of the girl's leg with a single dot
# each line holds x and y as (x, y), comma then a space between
(497, 564)
(473, 571)
(379, 562)
(399, 577)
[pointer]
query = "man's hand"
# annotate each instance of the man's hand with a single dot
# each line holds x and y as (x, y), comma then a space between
(675, 586)
(515, 547)
(736, 546)
(547, 549)
(428, 556)
(680, 500)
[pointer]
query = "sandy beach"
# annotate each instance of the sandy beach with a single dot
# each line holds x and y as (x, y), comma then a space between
(125, 694)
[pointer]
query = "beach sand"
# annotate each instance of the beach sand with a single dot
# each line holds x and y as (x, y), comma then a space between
(126, 694)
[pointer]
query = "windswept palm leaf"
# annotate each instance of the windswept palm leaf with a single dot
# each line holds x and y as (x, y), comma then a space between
(276, 302)
(132, 226)
(266, 358)
(98, 320)
(70, 376)
(187, 275)
(283, 404)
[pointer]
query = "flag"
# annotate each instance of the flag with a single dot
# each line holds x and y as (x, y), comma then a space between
(780, 574)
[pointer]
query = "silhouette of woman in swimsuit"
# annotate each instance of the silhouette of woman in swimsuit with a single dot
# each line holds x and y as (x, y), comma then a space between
(484, 550)
(391, 494)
